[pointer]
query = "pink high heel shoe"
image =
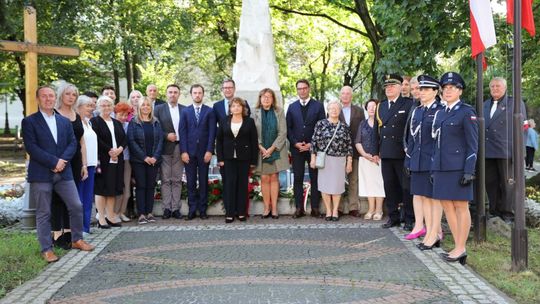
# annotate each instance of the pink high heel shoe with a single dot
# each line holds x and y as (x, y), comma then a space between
(412, 236)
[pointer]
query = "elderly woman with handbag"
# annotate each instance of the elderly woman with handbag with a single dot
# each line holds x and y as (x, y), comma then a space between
(331, 153)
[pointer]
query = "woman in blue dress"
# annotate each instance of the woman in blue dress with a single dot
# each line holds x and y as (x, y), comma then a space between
(455, 130)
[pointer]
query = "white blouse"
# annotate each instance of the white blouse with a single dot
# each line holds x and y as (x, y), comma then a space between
(110, 125)
(90, 140)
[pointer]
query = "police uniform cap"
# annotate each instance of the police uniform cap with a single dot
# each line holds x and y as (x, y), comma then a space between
(454, 79)
(392, 79)
(426, 81)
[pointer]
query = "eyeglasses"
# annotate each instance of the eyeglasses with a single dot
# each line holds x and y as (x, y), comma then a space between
(227, 88)
(302, 88)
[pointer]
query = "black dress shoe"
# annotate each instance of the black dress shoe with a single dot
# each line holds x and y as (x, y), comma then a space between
(189, 217)
(408, 227)
(335, 218)
(328, 218)
(242, 218)
(103, 226)
(176, 214)
(263, 216)
(229, 220)
(119, 224)
(462, 258)
(203, 216)
(298, 213)
(423, 246)
(391, 224)
(315, 213)
(167, 214)
(275, 216)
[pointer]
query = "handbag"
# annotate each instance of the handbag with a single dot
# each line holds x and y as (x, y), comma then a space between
(321, 155)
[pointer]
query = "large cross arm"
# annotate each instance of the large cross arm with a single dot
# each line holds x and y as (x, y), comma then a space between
(12, 46)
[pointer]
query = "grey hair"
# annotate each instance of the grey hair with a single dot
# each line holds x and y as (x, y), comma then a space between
(499, 79)
(103, 99)
(83, 100)
(413, 80)
(61, 89)
(331, 102)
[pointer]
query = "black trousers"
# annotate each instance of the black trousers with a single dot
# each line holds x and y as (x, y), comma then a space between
(529, 157)
(396, 187)
(236, 183)
(145, 179)
(299, 161)
(498, 189)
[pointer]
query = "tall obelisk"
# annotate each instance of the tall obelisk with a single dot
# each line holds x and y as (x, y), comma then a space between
(255, 67)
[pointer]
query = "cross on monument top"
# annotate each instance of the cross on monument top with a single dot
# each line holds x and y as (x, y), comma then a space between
(31, 48)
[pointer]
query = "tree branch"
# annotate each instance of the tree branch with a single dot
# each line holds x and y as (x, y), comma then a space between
(290, 11)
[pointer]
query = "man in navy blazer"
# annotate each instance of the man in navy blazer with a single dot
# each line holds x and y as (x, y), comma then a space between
(391, 115)
(302, 116)
(221, 108)
(50, 142)
(498, 111)
(197, 139)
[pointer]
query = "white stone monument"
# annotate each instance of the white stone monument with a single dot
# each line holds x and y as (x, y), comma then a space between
(255, 67)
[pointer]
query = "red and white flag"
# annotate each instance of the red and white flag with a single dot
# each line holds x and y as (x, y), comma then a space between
(482, 26)
(527, 17)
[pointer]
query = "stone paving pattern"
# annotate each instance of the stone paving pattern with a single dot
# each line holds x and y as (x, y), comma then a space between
(283, 261)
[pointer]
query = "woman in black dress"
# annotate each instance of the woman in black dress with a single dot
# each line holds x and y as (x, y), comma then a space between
(109, 180)
(66, 98)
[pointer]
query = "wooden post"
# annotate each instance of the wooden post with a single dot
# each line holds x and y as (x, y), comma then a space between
(31, 48)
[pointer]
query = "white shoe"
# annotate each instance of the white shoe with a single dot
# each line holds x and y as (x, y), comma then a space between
(97, 216)
(124, 218)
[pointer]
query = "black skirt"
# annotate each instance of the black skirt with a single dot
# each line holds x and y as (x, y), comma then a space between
(110, 182)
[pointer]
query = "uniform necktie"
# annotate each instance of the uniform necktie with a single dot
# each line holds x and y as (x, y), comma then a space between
(197, 113)
(493, 108)
(391, 104)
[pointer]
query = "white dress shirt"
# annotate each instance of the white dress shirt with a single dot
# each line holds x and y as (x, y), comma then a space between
(51, 123)
(175, 117)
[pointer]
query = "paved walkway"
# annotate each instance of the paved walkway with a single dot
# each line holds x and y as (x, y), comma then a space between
(261, 261)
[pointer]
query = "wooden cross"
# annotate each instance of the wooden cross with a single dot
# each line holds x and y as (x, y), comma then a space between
(31, 47)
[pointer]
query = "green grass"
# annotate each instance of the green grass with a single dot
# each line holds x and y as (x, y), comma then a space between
(492, 260)
(20, 259)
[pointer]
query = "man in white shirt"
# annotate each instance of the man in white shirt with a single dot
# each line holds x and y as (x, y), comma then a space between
(172, 167)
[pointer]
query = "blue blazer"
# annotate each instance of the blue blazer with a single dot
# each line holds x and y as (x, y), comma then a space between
(137, 143)
(499, 127)
(219, 110)
(197, 139)
(421, 144)
(44, 152)
(299, 130)
(391, 127)
(456, 139)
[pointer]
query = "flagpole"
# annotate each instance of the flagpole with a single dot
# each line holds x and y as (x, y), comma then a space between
(480, 185)
(519, 231)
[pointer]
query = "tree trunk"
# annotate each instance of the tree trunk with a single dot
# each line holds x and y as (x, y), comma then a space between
(136, 73)
(116, 75)
(129, 74)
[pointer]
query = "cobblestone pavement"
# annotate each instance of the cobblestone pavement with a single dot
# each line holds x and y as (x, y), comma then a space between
(261, 261)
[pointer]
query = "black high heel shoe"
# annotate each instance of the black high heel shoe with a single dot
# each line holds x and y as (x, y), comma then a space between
(242, 218)
(275, 216)
(229, 220)
(263, 216)
(462, 258)
(103, 226)
(423, 246)
(113, 224)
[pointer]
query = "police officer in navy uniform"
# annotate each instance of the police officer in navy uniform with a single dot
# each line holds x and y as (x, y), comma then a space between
(418, 160)
(498, 111)
(391, 117)
(455, 130)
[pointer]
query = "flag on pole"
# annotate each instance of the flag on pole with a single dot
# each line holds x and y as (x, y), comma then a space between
(527, 17)
(482, 27)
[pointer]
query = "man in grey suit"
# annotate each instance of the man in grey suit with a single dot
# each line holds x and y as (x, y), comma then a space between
(498, 111)
(352, 115)
(172, 167)
(50, 142)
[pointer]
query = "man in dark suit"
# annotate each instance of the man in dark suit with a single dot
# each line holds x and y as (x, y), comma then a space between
(152, 93)
(302, 116)
(498, 111)
(197, 139)
(391, 117)
(172, 167)
(50, 142)
(352, 115)
(221, 107)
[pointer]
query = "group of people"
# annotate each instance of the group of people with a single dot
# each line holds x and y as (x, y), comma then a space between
(418, 154)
